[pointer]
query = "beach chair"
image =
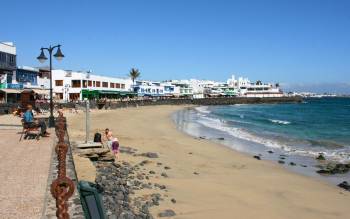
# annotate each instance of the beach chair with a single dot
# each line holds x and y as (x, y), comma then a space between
(27, 131)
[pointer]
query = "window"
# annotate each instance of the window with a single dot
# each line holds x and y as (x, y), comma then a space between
(111, 85)
(59, 96)
(123, 86)
(84, 83)
(94, 83)
(104, 84)
(59, 83)
(76, 83)
(98, 84)
(90, 83)
(117, 85)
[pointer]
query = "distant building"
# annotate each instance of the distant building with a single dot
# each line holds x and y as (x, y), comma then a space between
(7, 63)
(148, 88)
(74, 85)
(246, 88)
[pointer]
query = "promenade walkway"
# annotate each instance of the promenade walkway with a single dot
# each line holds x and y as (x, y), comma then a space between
(24, 168)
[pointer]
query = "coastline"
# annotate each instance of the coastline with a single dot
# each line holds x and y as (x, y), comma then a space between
(227, 184)
(190, 121)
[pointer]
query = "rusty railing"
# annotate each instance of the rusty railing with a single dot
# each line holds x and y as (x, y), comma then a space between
(62, 188)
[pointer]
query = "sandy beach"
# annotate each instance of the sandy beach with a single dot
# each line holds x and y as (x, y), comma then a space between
(227, 184)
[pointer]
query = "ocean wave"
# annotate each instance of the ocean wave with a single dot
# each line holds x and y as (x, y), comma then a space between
(203, 109)
(279, 121)
(341, 154)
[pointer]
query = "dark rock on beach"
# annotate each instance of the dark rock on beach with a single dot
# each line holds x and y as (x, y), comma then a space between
(345, 185)
(150, 155)
(257, 157)
(320, 157)
(281, 162)
(292, 163)
(167, 213)
(167, 168)
(270, 152)
(334, 168)
(173, 200)
(164, 175)
(221, 139)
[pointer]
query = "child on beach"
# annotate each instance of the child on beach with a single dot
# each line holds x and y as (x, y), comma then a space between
(113, 143)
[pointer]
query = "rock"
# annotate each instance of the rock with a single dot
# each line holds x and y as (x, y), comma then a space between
(303, 165)
(126, 215)
(292, 164)
(270, 152)
(257, 157)
(281, 162)
(150, 155)
(173, 200)
(164, 175)
(345, 185)
(320, 157)
(152, 172)
(190, 153)
(145, 162)
(159, 163)
(221, 139)
(202, 137)
(195, 173)
(167, 213)
(167, 168)
(334, 168)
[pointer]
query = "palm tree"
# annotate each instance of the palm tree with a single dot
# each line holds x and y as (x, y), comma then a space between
(134, 73)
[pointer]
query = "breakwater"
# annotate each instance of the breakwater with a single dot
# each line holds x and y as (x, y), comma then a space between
(204, 101)
(7, 108)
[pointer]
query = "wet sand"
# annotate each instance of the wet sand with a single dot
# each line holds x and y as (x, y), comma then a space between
(228, 184)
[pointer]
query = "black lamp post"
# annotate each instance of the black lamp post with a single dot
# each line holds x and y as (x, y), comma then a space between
(42, 58)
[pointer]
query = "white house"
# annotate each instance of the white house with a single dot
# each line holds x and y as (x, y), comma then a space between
(76, 85)
(248, 89)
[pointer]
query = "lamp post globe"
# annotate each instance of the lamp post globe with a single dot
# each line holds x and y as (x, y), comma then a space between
(42, 58)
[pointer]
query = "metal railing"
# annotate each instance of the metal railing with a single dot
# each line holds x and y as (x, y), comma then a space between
(62, 188)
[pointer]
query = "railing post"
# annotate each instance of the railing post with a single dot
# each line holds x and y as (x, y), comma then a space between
(62, 188)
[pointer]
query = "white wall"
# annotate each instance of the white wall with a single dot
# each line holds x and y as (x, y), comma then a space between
(8, 48)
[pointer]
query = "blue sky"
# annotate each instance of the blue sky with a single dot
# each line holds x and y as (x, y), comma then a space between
(283, 41)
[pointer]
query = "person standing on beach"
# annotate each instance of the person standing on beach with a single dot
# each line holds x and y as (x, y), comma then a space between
(112, 143)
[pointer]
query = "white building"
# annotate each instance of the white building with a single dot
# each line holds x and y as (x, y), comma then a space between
(73, 85)
(148, 88)
(7, 63)
(248, 89)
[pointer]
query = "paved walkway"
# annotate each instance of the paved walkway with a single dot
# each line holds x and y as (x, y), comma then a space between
(24, 168)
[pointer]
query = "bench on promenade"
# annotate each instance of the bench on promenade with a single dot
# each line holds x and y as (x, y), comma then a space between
(27, 131)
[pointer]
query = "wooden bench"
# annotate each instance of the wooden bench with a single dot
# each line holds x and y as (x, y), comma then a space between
(27, 131)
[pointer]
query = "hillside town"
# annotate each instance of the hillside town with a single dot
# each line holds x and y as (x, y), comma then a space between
(23, 82)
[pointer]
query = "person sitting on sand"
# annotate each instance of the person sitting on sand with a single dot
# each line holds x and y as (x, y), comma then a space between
(113, 144)
(31, 122)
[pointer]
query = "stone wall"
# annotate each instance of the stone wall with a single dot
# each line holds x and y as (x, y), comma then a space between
(7, 108)
(183, 101)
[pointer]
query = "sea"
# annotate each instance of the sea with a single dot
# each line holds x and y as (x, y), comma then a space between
(297, 131)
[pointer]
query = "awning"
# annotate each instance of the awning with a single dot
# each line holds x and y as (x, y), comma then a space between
(11, 91)
(41, 92)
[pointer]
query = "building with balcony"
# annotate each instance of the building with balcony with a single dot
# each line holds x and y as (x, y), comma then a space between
(77, 85)
(7, 63)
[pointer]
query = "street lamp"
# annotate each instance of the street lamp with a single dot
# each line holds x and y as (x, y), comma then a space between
(42, 58)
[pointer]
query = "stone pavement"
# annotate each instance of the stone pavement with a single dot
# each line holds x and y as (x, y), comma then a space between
(24, 169)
